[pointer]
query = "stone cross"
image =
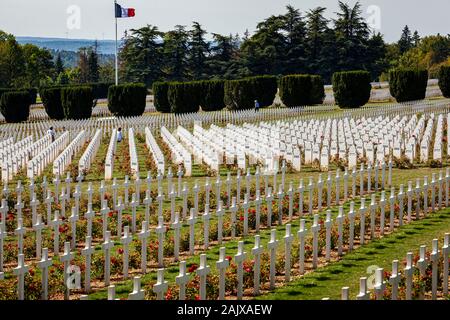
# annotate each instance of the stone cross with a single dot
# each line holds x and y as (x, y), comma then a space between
(392, 209)
(409, 272)
(338, 190)
(191, 221)
(382, 211)
(369, 178)
(291, 200)
(258, 202)
(390, 172)
(88, 251)
(228, 183)
(56, 182)
(77, 196)
(203, 272)
(34, 204)
(89, 215)
(220, 213)
(20, 272)
(143, 236)
(222, 265)
(272, 246)
(315, 228)
(112, 293)
(319, 192)
(218, 184)
(301, 189)
(196, 190)
(440, 182)
(245, 207)
(401, 195)
(422, 262)
(269, 201)
(380, 284)
(63, 198)
(126, 240)
(148, 180)
(169, 180)
(238, 186)
(329, 182)
(434, 257)
(134, 205)
(161, 232)
(433, 191)
(19, 206)
(37, 227)
(90, 192)
(115, 188)
(361, 180)
(126, 186)
(137, 187)
(302, 236)
(172, 196)
(351, 218)
(345, 293)
(417, 190)
(182, 279)
(328, 226)
(159, 177)
(206, 217)
(354, 182)
(104, 212)
(363, 293)
(207, 191)
(239, 258)
(373, 210)
(107, 246)
(66, 258)
(340, 222)
(161, 286)
(185, 198)
(394, 280)
(345, 185)
(445, 255)
(120, 207)
(234, 208)
(20, 233)
(138, 293)
(44, 263)
(73, 226)
(176, 226)
(280, 204)
(180, 175)
(257, 250)
(288, 238)
(310, 195)
(68, 181)
(426, 187)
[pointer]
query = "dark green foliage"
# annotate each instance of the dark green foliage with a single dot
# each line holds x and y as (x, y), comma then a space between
(51, 98)
(160, 98)
(184, 97)
(77, 102)
(33, 95)
(317, 89)
(15, 106)
(127, 100)
(212, 93)
(408, 84)
(351, 88)
(444, 81)
(241, 94)
(3, 90)
(100, 89)
(301, 90)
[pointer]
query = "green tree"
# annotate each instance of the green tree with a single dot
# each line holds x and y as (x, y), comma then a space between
(142, 56)
(12, 63)
(59, 64)
(39, 64)
(316, 26)
(93, 65)
(295, 41)
(199, 50)
(406, 41)
(176, 50)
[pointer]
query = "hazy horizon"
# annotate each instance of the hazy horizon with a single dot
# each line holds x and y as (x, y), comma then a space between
(233, 16)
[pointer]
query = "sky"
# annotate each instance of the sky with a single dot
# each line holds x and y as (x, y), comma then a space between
(94, 19)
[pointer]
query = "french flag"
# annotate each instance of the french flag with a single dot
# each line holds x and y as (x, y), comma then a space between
(124, 12)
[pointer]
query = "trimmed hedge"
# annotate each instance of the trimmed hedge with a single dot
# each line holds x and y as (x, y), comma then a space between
(351, 88)
(160, 98)
(212, 94)
(100, 89)
(15, 106)
(31, 91)
(408, 84)
(444, 81)
(301, 90)
(127, 100)
(77, 102)
(241, 94)
(51, 98)
(184, 97)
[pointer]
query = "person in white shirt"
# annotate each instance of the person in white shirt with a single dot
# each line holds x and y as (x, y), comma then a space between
(119, 135)
(52, 133)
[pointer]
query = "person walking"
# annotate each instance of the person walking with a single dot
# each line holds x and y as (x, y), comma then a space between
(119, 135)
(256, 106)
(52, 133)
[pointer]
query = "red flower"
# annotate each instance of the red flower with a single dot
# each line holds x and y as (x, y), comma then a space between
(241, 218)
(197, 297)
(193, 268)
(31, 272)
(229, 258)
(120, 251)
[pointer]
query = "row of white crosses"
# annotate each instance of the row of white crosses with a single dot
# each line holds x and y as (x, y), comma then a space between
(14, 157)
(161, 229)
(437, 148)
(38, 163)
(179, 154)
(437, 268)
(84, 164)
(154, 149)
(134, 163)
(110, 156)
(65, 158)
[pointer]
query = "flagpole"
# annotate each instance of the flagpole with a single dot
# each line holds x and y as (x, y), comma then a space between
(116, 57)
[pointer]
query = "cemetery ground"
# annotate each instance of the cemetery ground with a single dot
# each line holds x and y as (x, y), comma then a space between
(325, 279)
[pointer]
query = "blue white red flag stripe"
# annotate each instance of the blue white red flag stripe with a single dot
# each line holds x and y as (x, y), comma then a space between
(124, 12)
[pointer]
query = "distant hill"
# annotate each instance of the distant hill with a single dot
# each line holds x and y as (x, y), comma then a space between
(69, 47)
(104, 46)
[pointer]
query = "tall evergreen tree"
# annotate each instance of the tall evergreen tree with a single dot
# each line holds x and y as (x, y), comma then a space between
(142, 56)
(198, 52)
(59, 65)
(406, 41)
(176, 50)
(416, 38)
(317, 26)
(83, 65)
(93, 65)
(294, 28)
